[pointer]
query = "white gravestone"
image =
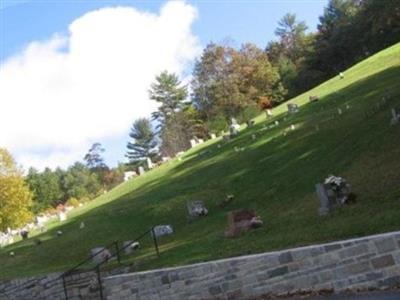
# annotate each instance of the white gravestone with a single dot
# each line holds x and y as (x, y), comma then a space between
(193, 143)
(62, 216)
(141, 170)
(130, 246)
(128, 175)
(161, 230)
(149, 163)
(100, 254)
(213, 136)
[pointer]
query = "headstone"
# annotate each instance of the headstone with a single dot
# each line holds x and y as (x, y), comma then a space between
(341, 75)
(149, 163)
(335, 191)
(218, 146)
(196, 209)
(12, 254)
(253, 137)
(141, 170)
(233, 130)
(395, 116)
(347, 106)
(193, 143)
(324, 202)
(161, 230)
(313, 98)
(250, 123)
(339, 110)
(234, 127)
(24, 234)
(82, 225)
(276, 123)
(59, 233)
(62, 216)
(200, 141)
(128, 175)
(293, 108)
(241, 221)
(130, 246)
(165, 158)
(99, 255)
(269, 113)
(213, 136)
(292, 127)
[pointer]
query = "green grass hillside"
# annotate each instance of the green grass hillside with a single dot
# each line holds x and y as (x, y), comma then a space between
(275, 175)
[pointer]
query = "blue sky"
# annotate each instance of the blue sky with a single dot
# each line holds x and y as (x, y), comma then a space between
(47, 23)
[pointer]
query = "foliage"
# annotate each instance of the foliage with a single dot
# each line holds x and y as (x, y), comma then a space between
(176, 122)
(46, 188)
(72, 202)
(93, 158)
(15, 197)
(168, 91)
(144, 141)
(226, 81)
(79, 182)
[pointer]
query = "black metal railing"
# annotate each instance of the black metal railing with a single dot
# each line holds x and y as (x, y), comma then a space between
(116, 254)
(77, 268)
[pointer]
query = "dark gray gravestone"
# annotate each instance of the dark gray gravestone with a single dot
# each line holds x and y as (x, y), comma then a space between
(325, 204)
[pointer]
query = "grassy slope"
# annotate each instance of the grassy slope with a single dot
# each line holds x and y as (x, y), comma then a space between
(275, 176)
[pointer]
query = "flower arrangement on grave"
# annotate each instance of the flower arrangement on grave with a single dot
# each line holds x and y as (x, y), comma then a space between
(339, 187)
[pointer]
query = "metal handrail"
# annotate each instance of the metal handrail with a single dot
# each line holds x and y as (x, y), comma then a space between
(116, 254)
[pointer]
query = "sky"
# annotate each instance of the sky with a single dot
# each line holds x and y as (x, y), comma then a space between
(77, 72)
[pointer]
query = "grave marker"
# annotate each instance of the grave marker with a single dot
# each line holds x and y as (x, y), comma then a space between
(292, 108)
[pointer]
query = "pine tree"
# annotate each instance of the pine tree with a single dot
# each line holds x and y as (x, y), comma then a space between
(144, 143)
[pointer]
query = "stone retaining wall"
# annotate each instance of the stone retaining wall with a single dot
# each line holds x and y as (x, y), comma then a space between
(369, 262)
(79, 286)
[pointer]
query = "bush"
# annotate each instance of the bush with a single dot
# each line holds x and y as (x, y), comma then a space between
(72, 202)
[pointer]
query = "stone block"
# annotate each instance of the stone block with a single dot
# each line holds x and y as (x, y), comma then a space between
(383, 261)
(285, 257)
(390, 282)
(385, 245)
(333, 247)
(278, 271)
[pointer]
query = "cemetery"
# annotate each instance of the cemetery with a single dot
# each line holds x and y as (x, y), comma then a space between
(263, 187)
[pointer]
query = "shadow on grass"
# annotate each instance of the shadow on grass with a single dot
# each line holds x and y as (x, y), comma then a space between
(275, 175)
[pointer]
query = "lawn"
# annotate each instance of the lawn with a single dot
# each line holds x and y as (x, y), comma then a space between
(275, 175)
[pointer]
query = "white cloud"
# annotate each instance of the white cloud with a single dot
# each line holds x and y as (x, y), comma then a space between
(58, 96)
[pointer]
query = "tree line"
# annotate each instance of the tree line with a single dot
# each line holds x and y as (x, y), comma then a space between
(240, 83)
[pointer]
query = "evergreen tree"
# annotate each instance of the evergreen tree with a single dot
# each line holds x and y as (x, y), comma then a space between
(144, 143)
(168, 91)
